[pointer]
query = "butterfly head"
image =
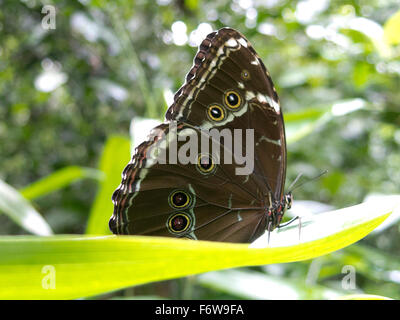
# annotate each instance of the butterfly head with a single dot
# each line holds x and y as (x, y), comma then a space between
(288, 200)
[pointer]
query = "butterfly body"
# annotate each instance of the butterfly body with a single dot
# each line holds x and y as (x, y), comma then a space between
(227, 101)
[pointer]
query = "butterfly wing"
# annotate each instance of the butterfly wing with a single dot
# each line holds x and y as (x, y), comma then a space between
(216, 208)
(226, 61)
(227, 78)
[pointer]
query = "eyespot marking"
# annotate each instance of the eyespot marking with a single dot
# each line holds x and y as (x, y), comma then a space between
(205, 164)
(216, 113)
(179, 223)
(232, 99)
(245, 75)
(180, 199)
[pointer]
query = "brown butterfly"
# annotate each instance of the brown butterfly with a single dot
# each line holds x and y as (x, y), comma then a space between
(227, 89)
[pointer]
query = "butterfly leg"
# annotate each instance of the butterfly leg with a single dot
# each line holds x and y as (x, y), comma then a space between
(269, 230)
(289, 222)
(299, 227)
(281, 225)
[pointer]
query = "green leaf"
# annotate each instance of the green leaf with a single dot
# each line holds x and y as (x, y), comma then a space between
(78, 266)
(13, 204)
(138, 298)
(192, 4)
(391, 29)
(300, 124)
(362, 73)
(248, 284)
(333, 181)
(364, 297)
(115, 157)
(59, 179)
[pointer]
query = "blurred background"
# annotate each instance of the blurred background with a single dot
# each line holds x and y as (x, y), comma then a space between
(71, 83)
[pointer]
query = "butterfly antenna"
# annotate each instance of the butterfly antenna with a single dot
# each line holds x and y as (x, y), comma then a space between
(295, 180)
(312, 179)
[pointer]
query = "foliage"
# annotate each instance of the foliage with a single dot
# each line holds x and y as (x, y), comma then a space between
(93, 260)
(64, 92)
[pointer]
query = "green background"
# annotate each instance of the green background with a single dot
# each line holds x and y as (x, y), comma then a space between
(335, 65)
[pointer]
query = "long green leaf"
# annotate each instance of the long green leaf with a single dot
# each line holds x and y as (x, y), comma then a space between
(391, 29)
(57, 180)
(13, 204)
(364, 297)
(300, 124)
(256, 285)
(64, 267)
(115, 157)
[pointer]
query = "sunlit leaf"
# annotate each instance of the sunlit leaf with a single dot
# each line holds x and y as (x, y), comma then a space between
(256, 285)
(140, 129)
(86, 266)
(13, 204)
(364, 297)
(192, 4)
(304, 208)
(376, 260)
(59, 179)
(300, 124)
(139, 298)
(391, 29)
(394, 217)
(115, 157)
(371, 30)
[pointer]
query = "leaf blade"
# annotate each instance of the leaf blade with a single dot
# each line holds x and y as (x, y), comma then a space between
(115, 156)
(21, 211)
(87, 266)
(58, 180)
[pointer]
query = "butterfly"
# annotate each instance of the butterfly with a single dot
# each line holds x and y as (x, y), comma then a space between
(228, 90)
